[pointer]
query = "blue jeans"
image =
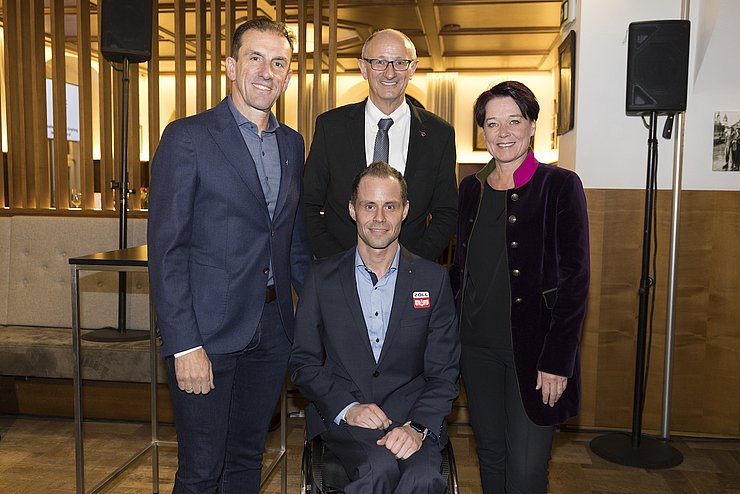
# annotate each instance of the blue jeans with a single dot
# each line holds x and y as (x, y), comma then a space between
(221, 435)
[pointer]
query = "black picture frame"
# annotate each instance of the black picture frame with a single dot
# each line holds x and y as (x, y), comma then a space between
(566, 83)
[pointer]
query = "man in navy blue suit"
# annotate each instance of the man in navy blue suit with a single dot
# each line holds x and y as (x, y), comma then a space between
(226, 242)
(376, 348)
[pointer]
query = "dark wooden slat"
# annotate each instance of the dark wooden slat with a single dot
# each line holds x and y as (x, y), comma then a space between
(316, 107)
(216, 51)
(37, 171)
(21, 134)
(180, 59)
(117, 99)
(3, 12)
(230, 24)
(153, 82)
(302, 72)
(280, 17)
(106, 132)
(201, 37)
(11, 31)
(58, 71)
(332, 99)
(134, 140)
(84, 77)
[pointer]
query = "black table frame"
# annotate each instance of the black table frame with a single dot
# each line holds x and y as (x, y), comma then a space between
(135, 259)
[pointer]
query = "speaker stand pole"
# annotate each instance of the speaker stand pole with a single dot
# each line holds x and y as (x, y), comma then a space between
(636, 450)
(121, 333)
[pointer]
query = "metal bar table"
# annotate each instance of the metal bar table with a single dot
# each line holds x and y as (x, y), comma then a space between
(131, 260)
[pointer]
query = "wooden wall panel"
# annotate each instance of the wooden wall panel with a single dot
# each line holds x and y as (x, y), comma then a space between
(134, 141)
(180, 60)
(11, 31)
(216, 51)
(153, 84)
(706, 382)
(58, 77)
(230, 21)
(37, 169)
(84, 78)
(200, 55)
(19, 119)
(107, 165)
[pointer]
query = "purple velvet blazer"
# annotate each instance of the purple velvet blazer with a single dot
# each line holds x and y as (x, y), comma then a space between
(548, 257)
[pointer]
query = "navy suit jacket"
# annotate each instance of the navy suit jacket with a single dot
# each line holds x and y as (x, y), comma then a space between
(338, 154)
(332, 362)
(211, 237)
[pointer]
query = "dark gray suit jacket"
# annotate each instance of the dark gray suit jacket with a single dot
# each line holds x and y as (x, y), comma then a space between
(338, 153)
(332, 362)
(211, 237)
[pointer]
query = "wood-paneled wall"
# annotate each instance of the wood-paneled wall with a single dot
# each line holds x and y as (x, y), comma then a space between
(706, 377)
(200, 30)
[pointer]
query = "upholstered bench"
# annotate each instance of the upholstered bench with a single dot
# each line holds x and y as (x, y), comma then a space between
(36, 300)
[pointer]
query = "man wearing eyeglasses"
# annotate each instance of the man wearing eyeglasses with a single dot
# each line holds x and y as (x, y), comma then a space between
(384, 127)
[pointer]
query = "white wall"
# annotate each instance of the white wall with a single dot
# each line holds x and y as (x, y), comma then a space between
(714, 85)
(609, 148)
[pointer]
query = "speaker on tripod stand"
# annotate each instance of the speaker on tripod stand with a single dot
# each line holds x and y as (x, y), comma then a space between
(125, 37)
(657, 78)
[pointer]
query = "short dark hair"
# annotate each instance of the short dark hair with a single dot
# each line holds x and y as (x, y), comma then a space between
(380, 169)
(521, 94)
(260, 24)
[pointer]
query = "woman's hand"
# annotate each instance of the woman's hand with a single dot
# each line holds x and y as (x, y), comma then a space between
(552, 387)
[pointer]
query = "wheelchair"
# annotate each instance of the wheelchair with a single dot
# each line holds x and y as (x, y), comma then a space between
(322, 473)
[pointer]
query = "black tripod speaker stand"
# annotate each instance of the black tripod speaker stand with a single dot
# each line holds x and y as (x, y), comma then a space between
(121, 333)
(636, 450)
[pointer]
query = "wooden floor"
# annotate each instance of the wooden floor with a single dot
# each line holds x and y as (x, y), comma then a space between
(37, 456)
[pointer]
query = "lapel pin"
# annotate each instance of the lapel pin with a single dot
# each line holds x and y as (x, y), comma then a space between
(423, 134)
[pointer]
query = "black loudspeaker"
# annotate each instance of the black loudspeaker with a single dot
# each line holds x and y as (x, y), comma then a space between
(657, 67)
(126, 30)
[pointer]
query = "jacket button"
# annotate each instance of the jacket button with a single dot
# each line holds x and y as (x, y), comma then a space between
(376, 374)
(512, 218)
(515, 197)
(515, 272)
(266, 271)
(514, 245)
(471, 220)
(518, 301)
(272, 233)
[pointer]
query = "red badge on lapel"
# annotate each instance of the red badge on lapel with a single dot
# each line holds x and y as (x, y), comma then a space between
(421, 300)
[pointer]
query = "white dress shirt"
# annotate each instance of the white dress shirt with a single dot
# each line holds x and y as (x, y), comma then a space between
(398, 134)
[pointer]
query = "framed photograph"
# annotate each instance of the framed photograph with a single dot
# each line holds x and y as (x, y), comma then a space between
(479, 140)
(566, 84)
(726, 142)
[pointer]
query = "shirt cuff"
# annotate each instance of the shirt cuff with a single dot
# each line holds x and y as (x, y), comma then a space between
(340, 416)
(180, 354)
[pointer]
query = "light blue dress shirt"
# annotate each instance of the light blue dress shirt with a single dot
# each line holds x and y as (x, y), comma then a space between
(376, 301)
(266, 155)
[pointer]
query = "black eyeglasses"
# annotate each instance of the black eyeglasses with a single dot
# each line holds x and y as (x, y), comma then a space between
(380, 64)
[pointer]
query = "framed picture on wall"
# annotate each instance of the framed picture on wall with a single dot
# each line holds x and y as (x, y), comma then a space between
(479, 140)
(566, 84)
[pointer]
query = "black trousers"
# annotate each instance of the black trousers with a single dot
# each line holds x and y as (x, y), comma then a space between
(373, 469)
(513, 452)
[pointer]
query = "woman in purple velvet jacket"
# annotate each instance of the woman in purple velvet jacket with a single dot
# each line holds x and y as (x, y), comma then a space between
(521, 274)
